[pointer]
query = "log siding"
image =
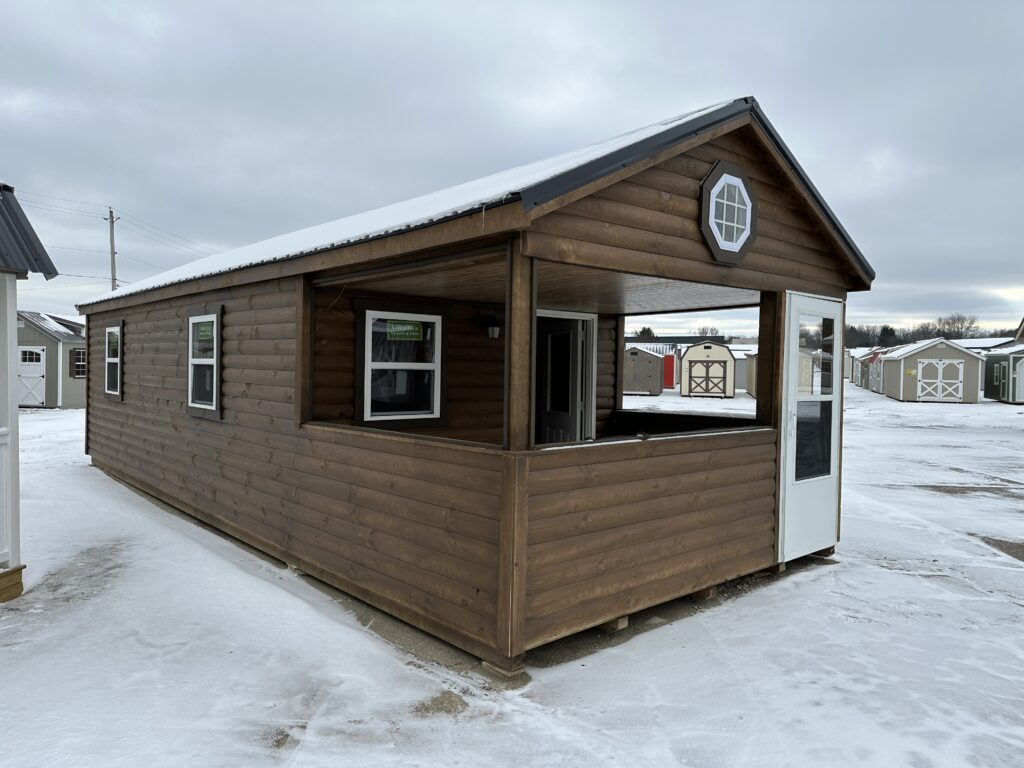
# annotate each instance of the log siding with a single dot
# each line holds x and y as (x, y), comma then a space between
(410, 526)
(616, 528)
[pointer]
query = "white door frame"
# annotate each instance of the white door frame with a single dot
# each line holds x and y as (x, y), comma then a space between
(588, 424)
(808, 508)
(42, 363)
(1019, 383)
(10, 534)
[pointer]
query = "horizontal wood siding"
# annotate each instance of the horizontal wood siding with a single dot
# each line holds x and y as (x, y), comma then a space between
(404, 523)
(473, 370)
(650, 223)
(616, 528)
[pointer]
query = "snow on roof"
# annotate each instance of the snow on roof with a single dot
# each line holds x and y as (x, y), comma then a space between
(986, 343)
(1016, 349)
(742, 351)
(652, 348)
(427, 209)
(51, 325)
(898, 353)
(858, 351)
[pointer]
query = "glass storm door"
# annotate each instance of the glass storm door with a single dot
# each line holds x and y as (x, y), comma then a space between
(812, 403)
(559, 388)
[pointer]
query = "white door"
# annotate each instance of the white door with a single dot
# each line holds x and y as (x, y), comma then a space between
(1020, 381)
(940, 381)
(31, 375)
(812, 402)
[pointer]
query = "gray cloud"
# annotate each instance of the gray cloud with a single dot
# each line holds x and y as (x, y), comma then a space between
(228, 122)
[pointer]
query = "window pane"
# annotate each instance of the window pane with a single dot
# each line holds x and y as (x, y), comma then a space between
(112, 382)
(202, 340)
(719, 210)
(403, 341)
(813, 439)
(202, 384)
(113, 343)
(395, 392)
(741, 216)
(817, 340)
(730, 214)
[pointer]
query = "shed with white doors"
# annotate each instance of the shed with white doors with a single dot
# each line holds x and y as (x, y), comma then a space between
(20, 253)
(643, 372)
(707, 369)
(51, 361)
(1004, 374)
(933, 370)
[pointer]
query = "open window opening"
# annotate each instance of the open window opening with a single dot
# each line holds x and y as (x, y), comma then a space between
(686, 371)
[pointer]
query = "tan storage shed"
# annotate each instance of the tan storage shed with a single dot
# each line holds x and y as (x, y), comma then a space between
(934, 370)
(708, 369)
(752, 374)
(642, 372)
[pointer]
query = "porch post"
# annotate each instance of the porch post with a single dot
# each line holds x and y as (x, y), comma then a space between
(520, 314)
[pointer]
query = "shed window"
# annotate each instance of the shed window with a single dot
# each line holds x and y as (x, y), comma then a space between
(996, 371)
(730, 213)
(204, 362)
(112, 382)
(402, 367)
(28, 356)
(78, 368)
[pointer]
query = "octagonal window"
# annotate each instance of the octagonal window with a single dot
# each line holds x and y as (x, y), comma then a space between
(730, 213)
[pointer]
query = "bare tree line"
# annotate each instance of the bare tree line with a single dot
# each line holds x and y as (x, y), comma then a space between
(953, 326)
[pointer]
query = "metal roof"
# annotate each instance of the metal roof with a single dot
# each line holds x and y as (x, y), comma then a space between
(898, 353)
(55, 327)
(531, 185)
(20, 249)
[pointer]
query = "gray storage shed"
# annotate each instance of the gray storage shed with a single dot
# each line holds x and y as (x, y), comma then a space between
(1004, 374)
(642, 372)
(933, 370)
(51, 361)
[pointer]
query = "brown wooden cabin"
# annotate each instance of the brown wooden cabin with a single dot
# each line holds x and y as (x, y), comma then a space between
(423, 405)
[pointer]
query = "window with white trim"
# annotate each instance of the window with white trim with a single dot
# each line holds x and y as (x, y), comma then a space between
(112, 381)
(29, 356)
(996, 379)
(401, 366)
(730, 213)
(78, 364)
(204, 362)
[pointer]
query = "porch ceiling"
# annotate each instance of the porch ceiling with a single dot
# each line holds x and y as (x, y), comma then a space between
(566, 287)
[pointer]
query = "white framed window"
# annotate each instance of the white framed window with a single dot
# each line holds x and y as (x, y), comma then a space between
(401, 366)
(29, 356)
(112, 377)
(729, 213)
(996, 372)
(78, 364)
(204, 362)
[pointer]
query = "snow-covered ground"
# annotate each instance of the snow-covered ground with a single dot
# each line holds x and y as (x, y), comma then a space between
(145, 639)
(670, 400)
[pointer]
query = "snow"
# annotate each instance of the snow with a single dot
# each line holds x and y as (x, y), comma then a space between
(898, 353)
(670, 400)
(52, 326)
(986, 343)
(462, 198)
(1014, 350)
(145, 639)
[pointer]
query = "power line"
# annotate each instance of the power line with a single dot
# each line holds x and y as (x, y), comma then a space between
(163, 241)
(54, 197)
(67, 211)
(69, 248)
(145, 224)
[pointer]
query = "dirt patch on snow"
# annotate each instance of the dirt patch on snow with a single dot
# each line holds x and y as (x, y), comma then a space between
(445, 703)
(1011, 548)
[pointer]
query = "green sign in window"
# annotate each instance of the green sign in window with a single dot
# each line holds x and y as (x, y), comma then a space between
(405, 330)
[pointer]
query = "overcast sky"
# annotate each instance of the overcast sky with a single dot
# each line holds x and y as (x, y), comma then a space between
(227, 123)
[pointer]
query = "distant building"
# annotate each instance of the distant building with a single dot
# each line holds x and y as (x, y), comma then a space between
(51, 361)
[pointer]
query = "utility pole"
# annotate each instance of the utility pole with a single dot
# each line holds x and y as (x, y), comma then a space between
(113, 251)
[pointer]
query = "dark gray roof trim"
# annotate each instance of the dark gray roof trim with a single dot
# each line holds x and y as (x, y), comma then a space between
(20, 249)
(564, 183)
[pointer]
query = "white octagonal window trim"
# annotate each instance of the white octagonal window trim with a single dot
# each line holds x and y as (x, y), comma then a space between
(729, 213)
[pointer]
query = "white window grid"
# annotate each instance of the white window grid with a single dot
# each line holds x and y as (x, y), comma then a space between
(730, 213)
(79, 370)
(114, 331)
(369, 366)
(204, 361)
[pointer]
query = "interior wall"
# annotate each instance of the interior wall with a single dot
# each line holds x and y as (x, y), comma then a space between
(473, 368)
